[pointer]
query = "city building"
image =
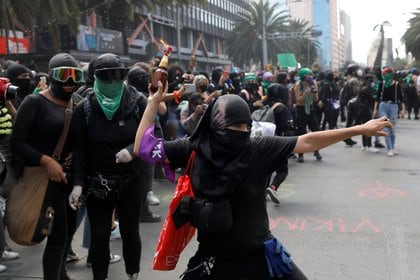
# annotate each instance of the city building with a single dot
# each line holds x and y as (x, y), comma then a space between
(192, 31)
(323, 15)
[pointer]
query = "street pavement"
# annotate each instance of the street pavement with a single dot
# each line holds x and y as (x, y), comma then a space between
(354, 215)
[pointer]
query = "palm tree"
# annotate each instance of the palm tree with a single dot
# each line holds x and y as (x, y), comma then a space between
(246, 35)
(244, 43)
(411, 37)
(305, 47)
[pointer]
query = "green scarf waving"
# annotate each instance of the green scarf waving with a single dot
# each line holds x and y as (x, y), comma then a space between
(109, 96)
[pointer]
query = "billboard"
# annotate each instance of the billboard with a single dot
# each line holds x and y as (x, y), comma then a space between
(17, 45)
(92, 39)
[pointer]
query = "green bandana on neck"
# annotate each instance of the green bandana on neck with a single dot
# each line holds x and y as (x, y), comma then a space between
(388, 79)
(109, 96)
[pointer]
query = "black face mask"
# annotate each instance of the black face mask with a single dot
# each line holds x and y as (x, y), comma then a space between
(203, 88)
(58, 91)
(251, 87)
(230, 143)
(24, 86)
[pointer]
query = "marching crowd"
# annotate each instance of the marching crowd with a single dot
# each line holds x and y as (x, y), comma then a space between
(103, 172)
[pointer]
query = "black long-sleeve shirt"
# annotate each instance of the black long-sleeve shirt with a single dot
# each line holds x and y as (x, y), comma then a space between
(37, 128)
(98, 139)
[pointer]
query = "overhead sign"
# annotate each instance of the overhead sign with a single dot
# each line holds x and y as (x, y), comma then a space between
(17, 45)
(99, 40)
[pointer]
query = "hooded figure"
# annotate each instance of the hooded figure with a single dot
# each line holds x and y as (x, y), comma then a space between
(222, 151)
(19, 76)
(109, 73)
(63, 89)
(139, 78)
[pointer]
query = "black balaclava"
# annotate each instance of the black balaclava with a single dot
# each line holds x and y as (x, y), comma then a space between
(223, 154)
(276, 93)
(139, 78)
(61, 60)
(216, 74)
(24, 84)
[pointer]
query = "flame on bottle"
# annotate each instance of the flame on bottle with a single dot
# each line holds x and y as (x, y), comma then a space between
(167, 48)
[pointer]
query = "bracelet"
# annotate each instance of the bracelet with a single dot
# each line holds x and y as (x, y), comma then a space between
(177, 96)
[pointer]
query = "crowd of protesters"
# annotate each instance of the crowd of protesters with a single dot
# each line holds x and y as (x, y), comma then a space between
(109, 101)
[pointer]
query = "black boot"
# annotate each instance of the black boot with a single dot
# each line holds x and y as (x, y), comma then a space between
(317, 155)
(300, 158)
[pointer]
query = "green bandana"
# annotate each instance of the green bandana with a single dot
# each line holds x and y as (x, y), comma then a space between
(388, 79)
(309, 99)
(109, 96)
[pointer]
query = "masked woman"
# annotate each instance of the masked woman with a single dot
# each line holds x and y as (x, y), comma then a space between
(229, 176)
(37, 129)
(106, 122)
(388, 97)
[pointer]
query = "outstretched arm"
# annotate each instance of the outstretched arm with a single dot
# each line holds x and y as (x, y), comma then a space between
(317, 140)
(149, 114)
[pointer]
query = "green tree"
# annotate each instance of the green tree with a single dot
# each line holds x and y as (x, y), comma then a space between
(411, 37)
(244, 42)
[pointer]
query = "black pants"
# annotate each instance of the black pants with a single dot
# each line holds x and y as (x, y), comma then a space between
(58, 242)
(281, 175)
(100, 211)
(364, 116)
(251, 267)
(303, 120)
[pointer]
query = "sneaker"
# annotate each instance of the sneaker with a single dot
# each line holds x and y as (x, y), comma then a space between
(272, 193)
(112, 259)
(115, 233)
(134, 276)
(379, 145)
(9, 255)
(2, 268)
(72, 256)
(150, 218)
(372, 150)
(152, 199)
(395, 152)
(390, 153)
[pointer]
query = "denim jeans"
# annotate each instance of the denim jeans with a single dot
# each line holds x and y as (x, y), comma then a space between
(390, 111)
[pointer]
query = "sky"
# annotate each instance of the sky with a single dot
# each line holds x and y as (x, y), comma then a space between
(365, 14)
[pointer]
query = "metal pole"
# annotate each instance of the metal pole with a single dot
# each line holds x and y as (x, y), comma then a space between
(264, 40)
(178, 33)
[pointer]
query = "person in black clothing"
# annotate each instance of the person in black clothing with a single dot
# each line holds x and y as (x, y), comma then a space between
(365, 103)
(330, 96)
(139, 78)
(277, 95)
(104, 168)
(37, 128)
(229, 172)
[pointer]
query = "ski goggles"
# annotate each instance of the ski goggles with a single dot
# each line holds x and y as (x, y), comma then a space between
(107, 75)
(63, 74)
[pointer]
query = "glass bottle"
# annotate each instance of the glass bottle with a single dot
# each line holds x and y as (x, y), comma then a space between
(161, 73)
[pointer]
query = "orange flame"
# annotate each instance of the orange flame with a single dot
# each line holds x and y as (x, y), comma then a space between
(167, 49)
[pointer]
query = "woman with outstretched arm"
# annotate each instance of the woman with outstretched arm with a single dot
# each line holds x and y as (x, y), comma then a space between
(229, 175)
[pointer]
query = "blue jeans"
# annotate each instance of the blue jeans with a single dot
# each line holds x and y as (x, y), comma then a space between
(390, 111)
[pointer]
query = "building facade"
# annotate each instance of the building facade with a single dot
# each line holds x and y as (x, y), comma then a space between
(191, 30)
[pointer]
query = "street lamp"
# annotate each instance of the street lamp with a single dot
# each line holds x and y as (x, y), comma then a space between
(378, 60)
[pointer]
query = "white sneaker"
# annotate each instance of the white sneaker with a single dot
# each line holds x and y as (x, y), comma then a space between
(152, 199)
(395, 152)
(115, 233)
(390, 153)
(9, 255)
(2, 268)
(114, 258)
(134, 276)
(372, 150)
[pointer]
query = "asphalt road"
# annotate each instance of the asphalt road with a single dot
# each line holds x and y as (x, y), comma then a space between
(354, 215)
